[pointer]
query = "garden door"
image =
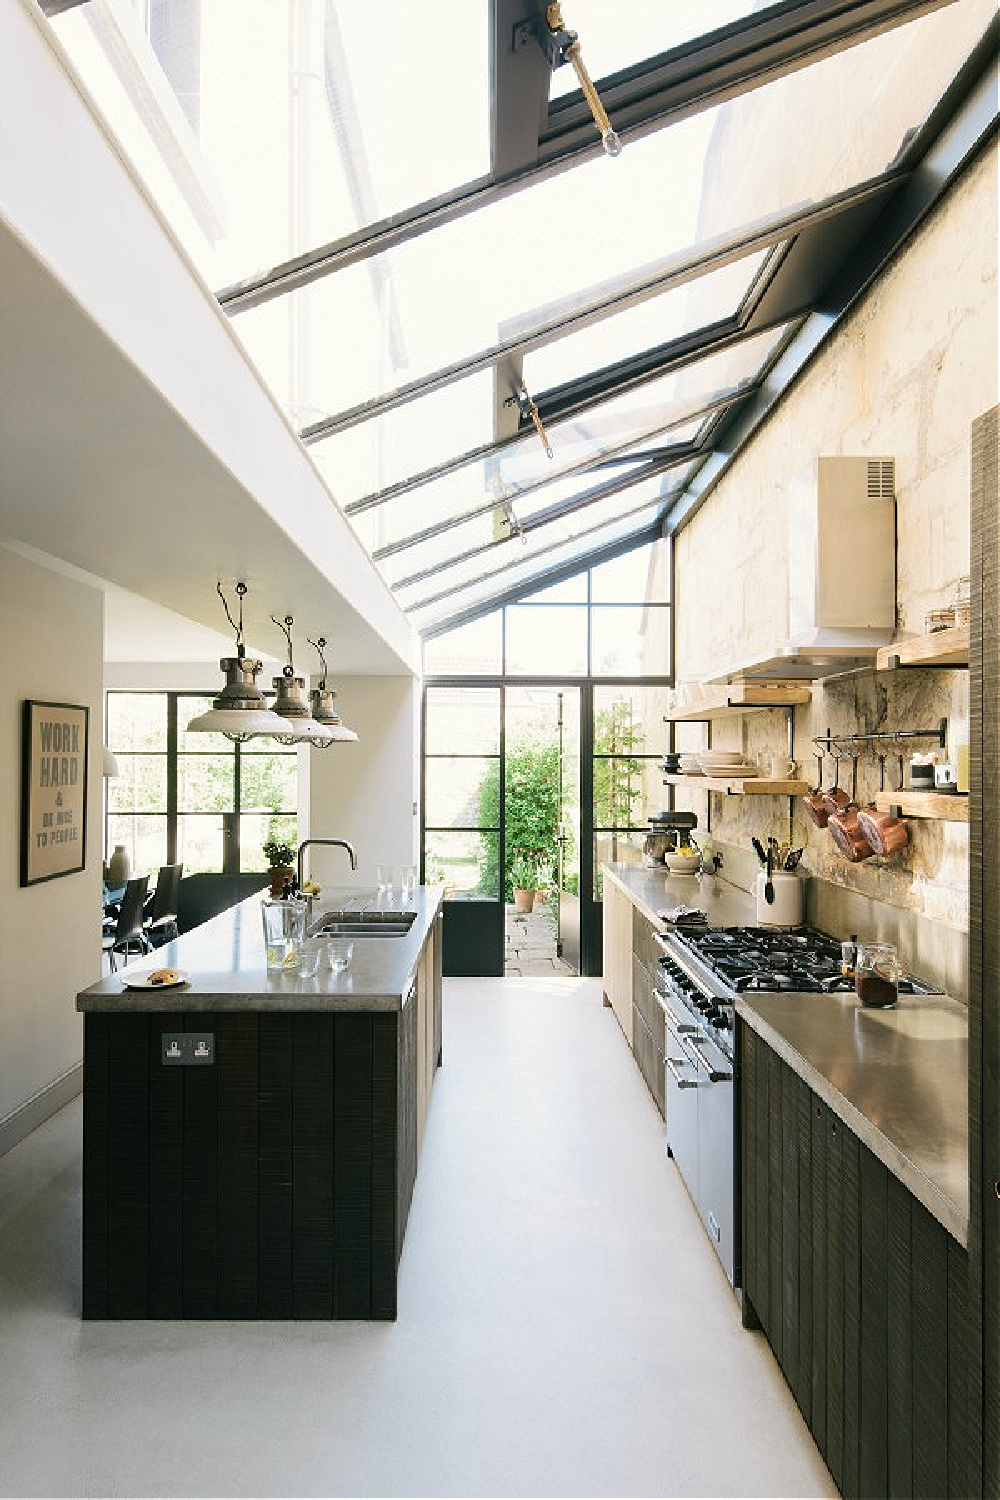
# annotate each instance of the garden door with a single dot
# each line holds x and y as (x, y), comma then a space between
(541, 830)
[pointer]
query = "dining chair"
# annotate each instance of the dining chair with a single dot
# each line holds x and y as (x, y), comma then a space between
(160, 924)
(128, 934)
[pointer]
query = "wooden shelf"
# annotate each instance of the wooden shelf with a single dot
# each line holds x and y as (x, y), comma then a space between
(951, 807)
(939, 648)
(720, 700)
(751, 786)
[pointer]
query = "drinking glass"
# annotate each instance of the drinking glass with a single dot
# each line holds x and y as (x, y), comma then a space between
(407, 882)
(284, 932)
(383, 874)
(339, 952)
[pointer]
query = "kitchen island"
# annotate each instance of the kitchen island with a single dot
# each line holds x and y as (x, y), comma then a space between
(251, 1138)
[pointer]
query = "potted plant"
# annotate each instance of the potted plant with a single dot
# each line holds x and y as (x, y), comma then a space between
(524, 878)
(281, 864)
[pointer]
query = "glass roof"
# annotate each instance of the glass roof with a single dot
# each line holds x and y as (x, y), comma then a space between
(331, 168)
(654, 26)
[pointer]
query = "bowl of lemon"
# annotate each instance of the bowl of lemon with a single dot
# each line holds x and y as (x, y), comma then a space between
(682, 861)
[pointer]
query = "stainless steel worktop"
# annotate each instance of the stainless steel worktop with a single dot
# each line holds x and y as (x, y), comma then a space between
(224, 963)
(897, 1078)
(654, 890)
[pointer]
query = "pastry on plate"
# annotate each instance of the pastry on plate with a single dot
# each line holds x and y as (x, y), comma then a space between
(164, 976)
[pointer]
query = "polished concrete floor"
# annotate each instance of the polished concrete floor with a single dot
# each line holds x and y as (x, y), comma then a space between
(564, 1327)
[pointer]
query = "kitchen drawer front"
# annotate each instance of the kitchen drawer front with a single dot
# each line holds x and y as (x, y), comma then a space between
(644, 944)
(644, 1000)
(861, 1293)
(650, 1059)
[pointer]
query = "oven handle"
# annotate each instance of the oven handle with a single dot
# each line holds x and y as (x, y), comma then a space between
(682, 1083)
(715, 1075)
(679, 1026)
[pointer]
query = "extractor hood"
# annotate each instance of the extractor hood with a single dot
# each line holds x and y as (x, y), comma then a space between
(840, 584)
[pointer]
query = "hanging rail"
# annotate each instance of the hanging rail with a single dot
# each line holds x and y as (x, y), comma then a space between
(832, 740)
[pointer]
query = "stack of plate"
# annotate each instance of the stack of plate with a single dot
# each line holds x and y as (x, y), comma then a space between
(690, 765)
(726, 764)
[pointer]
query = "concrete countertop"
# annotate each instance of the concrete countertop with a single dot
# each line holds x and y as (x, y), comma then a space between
(223, 960)
(897, 1078)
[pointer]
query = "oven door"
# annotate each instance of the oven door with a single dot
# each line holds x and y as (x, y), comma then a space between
(716, 1198)
(682, 1090)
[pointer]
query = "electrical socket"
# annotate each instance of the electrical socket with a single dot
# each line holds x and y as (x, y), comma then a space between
(187, 1049)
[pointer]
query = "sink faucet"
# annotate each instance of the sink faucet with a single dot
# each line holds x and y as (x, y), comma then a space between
(340, 843)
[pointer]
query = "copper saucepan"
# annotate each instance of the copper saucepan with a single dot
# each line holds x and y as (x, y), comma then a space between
(849, 835)
(835, 799)
(813, 803)
(886, 834)
(845, 826)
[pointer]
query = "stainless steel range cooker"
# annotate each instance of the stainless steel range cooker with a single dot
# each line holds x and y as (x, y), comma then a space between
(701, 973)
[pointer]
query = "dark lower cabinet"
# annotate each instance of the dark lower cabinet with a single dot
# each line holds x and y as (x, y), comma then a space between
(860, 1291)
(275, 1183)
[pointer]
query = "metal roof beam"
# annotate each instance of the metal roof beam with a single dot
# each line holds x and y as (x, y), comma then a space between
(553, 576)
(673, 271)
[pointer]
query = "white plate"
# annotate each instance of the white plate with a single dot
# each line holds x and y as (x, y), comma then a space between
(142, 982)
(735, 769)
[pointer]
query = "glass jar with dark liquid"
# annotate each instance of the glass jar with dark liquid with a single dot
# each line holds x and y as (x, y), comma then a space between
(877, 974)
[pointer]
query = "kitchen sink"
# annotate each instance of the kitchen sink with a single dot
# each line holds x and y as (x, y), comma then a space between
(362, 924)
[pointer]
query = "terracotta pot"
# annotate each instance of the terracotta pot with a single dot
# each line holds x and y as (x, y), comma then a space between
(524, 900)
(278, 876)
(849, 836)
(886, 834)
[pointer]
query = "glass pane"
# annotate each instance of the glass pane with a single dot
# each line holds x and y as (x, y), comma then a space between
(269, 781)
(257, 829)
(612, 849)
(295, 113)
(141, 784)
(512, 562)
(137, 721)
(365, 459)
(629, 640)
(201, 843)
(471, 650)
(144, 837)
(653, 27)
(727, 167)
(631, 714)
(462, 721)
(206, 783)
(711, 298)
(466, 864)
(462, 792)
(189, 706)
(623, 580)
(478, 586)
(570, 591)
(546, 641)
(627, 790)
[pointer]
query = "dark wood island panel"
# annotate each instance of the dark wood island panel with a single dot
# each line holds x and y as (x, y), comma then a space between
(274, 1184)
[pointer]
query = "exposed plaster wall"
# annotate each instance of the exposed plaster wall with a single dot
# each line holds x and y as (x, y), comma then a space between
(50, 933)
(911, 367)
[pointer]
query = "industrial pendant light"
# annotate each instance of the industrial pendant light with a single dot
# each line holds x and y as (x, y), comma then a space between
(240, 712)
(324, 706)
(292, 703)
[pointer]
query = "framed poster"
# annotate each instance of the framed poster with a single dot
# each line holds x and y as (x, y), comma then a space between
(53, 790)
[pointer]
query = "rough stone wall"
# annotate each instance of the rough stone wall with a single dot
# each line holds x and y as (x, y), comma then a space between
(905, 375)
